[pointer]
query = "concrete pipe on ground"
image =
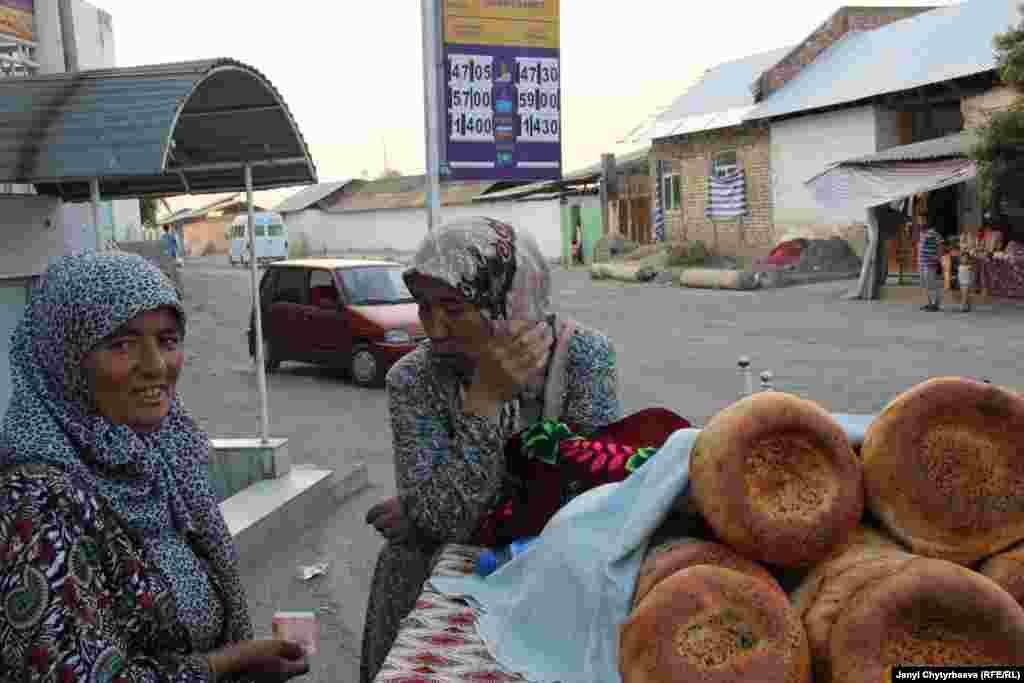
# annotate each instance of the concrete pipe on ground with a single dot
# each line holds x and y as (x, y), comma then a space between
(710, 278)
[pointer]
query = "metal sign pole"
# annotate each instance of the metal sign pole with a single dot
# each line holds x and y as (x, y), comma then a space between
(94, 192)
(261, 368)
(431, 64)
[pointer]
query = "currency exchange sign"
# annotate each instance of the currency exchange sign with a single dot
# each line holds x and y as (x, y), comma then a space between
(502, 90)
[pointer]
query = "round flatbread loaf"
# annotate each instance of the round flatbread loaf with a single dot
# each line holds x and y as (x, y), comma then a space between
(775, 477)
(710, 624)
(1007, 569)
(827, 590)
(944, 469)
(672, 556)
(927, 613)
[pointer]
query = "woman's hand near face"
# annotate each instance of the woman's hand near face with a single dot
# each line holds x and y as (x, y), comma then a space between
(269, 660)
(513, 354)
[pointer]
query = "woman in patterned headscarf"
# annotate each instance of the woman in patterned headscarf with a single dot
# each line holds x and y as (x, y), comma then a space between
(116, 562)
(496, 360)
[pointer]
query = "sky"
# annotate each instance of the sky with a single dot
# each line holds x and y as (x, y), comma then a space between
(351, 71)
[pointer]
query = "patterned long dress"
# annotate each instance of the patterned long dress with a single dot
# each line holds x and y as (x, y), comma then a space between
(449, 468)
(81, 601)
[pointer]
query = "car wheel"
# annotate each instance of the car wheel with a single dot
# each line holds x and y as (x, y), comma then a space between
(270, 360)
(365, 367)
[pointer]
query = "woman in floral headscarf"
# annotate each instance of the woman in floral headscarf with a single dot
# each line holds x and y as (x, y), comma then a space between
(115, 562)
(496, 360)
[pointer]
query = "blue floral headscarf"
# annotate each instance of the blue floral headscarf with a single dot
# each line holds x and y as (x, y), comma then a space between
(156, 482)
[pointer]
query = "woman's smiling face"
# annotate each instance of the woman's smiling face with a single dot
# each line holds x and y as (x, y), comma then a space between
(134, 372)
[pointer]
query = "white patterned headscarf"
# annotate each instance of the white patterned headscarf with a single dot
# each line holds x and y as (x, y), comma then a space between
(495, 267)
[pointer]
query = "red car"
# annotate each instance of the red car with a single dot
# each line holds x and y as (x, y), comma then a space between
(353, 314)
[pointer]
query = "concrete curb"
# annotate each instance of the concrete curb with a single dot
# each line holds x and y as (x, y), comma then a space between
(285, 507)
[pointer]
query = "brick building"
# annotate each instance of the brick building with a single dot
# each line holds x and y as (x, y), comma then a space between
(706, 133)
(850, 103)
(202, 231)
(702, 134)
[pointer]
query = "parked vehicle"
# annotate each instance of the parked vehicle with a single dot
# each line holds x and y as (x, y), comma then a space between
(271, 238)
(353, 314)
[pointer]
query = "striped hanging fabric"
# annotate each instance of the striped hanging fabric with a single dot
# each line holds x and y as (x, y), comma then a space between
(659, 216)
(727, 196)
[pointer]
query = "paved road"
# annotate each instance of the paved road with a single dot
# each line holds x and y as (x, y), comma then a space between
(677, 348)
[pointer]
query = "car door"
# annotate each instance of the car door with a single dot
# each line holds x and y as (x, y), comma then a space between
(289, 321)
(329, 332)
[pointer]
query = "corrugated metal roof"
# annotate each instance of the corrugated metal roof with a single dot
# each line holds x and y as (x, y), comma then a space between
(721, 98)
(133, 127)
(307, 197)
(949, 147)
(932, 47)
(203, 211)
(634, 162)
(724, 87)
(403, 192)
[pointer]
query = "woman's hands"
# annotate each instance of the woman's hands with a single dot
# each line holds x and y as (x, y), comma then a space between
(390, 521)
(269, 660)
(517, 350)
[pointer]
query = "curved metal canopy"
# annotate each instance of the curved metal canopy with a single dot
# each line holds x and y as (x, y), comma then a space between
(168, 129)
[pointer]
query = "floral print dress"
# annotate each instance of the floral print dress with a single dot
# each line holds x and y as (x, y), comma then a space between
(81, 600)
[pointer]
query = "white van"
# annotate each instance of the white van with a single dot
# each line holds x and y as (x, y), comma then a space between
(271, 238)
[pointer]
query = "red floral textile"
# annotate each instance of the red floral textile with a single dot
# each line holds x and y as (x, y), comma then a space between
(541, 479)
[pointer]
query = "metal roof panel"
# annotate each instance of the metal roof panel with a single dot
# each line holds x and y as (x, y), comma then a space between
(935, 46)
(134, 128)
(309, 196)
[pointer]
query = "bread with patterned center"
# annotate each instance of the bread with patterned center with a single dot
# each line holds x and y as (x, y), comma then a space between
(944, 469)
(776, 478)
(708, 624)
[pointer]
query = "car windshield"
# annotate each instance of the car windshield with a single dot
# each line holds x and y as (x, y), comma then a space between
(373, 285)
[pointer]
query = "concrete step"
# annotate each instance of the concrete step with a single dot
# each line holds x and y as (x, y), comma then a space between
(283, 507)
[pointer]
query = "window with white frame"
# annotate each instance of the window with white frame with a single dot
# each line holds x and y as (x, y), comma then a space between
(724, 163)
(671, 187)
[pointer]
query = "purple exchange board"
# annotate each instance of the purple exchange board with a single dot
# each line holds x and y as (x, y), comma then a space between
(503, 110)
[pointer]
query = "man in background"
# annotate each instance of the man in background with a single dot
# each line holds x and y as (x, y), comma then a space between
(170, 243)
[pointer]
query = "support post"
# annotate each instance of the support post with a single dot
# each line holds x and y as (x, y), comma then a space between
(261, 368)
(94, 194)
(607, 190)
(431, 66)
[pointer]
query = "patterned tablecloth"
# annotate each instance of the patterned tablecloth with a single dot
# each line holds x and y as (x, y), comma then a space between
(438, 641)
(1001, 277)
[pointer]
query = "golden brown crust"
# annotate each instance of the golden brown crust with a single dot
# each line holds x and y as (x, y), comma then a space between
(943, 469)
(826, 591)
(931, 612)
(1007, 569)
(775, 476)
(667, 558)
(713, 624)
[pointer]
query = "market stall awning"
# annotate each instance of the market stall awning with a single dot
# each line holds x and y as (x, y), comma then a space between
(168, 129)
(895, 173)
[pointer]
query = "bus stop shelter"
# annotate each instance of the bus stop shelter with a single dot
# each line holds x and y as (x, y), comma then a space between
(194, 127)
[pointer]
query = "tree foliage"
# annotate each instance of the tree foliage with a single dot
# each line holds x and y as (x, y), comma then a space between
(1001, 140)
(148, 207)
